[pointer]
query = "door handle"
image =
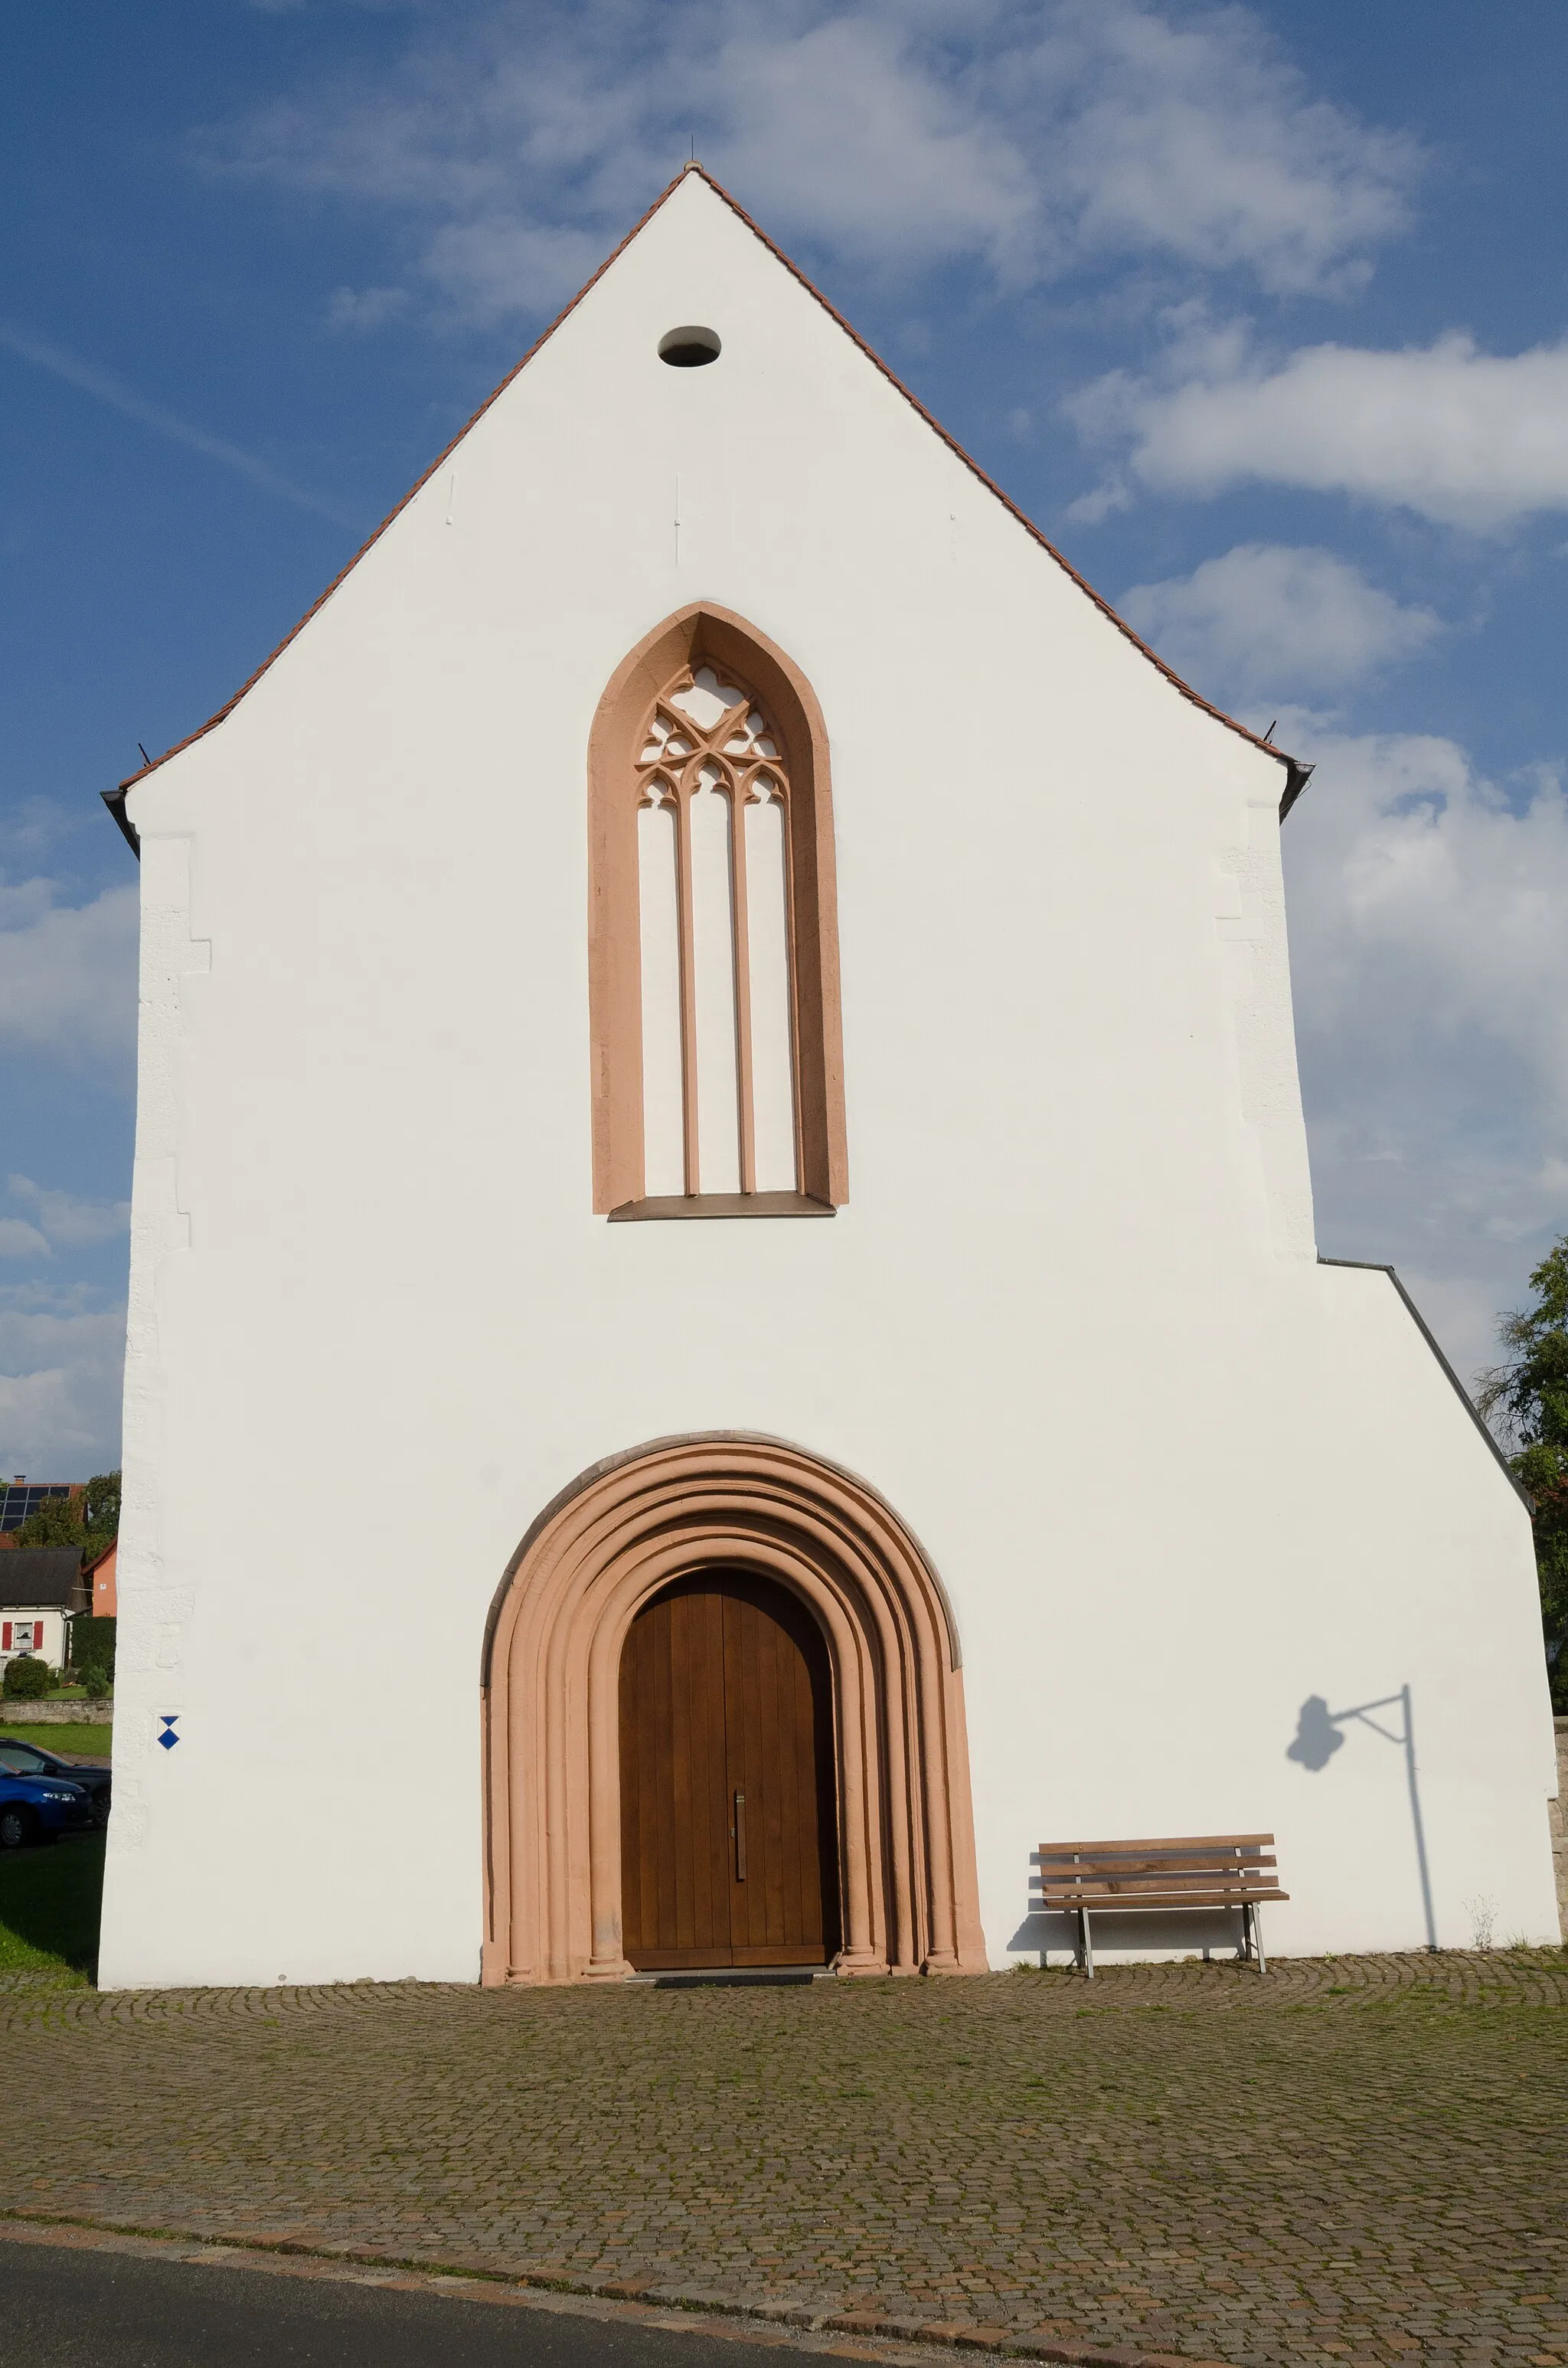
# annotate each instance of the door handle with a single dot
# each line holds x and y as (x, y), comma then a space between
(739, 1830)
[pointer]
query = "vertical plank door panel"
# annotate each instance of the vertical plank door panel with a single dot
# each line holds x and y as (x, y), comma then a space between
(743, 1776)
(656, 1748)
(799, 1890)
(779, 1722)
(674, 1834)
(726, 1687)
(713, 1838)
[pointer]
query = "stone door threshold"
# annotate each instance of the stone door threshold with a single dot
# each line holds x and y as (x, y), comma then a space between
(732, 1977)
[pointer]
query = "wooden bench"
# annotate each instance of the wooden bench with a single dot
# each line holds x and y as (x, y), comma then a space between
(1227, 1871)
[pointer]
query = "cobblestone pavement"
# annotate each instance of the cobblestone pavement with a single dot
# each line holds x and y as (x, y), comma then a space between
(1350, 2161)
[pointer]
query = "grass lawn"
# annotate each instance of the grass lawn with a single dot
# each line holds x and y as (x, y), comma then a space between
(69, 1739)
(49, 1908)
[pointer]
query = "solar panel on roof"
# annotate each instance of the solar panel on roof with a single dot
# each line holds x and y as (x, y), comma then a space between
(16, 1503)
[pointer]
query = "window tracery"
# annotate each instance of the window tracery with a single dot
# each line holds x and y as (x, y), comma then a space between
(718, 1053)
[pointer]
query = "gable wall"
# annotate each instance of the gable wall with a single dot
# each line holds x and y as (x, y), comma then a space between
(1079, 1213)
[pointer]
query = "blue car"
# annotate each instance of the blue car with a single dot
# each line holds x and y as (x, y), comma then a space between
(93, 1776)
(40, 1808)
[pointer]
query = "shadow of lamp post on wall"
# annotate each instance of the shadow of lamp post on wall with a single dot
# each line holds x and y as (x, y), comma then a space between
(1320, 1734)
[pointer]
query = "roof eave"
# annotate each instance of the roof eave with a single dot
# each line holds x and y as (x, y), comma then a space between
(115, 801)
(1296, 776)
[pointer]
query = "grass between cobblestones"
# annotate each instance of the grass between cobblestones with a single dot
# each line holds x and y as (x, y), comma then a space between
(1348, 2162)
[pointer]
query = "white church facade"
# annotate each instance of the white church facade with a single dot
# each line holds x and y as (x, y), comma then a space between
(726, 1331)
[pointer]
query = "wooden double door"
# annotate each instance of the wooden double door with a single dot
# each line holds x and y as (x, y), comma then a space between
(727, 1823)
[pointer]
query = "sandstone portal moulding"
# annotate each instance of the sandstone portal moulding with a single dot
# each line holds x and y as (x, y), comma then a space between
(552, 1696)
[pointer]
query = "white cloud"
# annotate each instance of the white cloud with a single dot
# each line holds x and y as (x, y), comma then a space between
(1467, 438)
(68, 974)
(1431, 974)
(1193, 137)
(1019, 138)
(34, 824)
(497, 266)
(1265, 620)
(68, 1221)
(364, 309)
(18, 1239)
(61, 1362)
(853, 135)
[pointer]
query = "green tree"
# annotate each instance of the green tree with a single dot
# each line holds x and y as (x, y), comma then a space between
(57, 1521)
(90, 1522)
(100, 1512)
(1525, 1397)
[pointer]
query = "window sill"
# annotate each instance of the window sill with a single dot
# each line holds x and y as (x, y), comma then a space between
(721, 1204)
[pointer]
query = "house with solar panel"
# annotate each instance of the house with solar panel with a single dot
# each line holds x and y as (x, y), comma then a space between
(718, 1092)
(22, 1496)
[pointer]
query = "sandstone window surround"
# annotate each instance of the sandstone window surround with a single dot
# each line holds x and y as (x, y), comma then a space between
(718, 1069)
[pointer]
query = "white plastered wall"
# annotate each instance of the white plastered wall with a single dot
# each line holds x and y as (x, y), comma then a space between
(1177, 1477)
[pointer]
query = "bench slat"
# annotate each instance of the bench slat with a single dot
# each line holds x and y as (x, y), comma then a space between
(1107, 1902)
(1178, 1863)
(1162, 1842)
(1241, 1880)
(1124, 1878)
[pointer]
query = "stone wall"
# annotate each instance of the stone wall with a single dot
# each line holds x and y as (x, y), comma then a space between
(63, 1713)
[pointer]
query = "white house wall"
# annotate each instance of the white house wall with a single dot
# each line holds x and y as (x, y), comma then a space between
(48, 1646)
(1177, 1477)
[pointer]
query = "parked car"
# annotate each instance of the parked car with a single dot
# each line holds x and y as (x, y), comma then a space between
(40, 1808)
(93, 1776)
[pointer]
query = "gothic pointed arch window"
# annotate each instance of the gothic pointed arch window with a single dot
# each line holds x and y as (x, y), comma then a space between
(713, 939)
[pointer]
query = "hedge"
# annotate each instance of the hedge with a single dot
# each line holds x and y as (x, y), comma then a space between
(92, 1644)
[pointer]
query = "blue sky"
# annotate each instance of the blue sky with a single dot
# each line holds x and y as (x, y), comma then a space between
(1262, 313)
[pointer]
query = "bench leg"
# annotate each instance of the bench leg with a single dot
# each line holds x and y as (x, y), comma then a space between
(1086, 1953)
(1257, 1938)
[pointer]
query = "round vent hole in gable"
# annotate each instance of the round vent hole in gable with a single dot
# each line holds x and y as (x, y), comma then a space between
(688, 348)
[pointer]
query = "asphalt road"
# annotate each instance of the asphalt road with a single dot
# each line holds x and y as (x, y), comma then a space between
(69, 2308)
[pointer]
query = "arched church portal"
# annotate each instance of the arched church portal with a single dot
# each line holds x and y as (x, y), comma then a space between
(805, 1566)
